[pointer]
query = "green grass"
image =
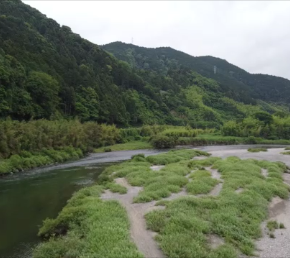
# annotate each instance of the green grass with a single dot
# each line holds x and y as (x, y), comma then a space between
(156, 184)
(27, 160)
(288, 148)
(174, 156)
(202, 182)
(90, 227)
(272, 225)
(282, 226)
(286, 153)
(134, 145)
(183, 227)
(116, 188)
(257, 149)
(87, 227)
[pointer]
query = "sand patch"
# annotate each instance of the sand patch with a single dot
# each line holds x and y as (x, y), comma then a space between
(157, 168)
(215, 241)
(239, 190)
(264, 172)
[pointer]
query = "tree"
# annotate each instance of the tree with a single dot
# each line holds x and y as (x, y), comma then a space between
(44, 92)
(264, 117)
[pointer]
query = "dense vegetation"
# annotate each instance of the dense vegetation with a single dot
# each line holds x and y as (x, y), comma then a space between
(234, 82)
(47, 71)
(95, 229)
(186, 224)
(260, 124)
(25, 145)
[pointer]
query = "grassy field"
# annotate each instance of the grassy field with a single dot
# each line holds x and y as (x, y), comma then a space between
(90, 227)
(185, 225)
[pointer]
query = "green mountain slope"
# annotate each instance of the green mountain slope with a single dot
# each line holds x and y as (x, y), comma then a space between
(234, 81)
(47, 71)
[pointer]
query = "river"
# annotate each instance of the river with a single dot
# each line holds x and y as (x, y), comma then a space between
(26, 199)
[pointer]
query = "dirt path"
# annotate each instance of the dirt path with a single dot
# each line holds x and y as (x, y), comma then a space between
(216, 175)
(141, 236)
(277, 247)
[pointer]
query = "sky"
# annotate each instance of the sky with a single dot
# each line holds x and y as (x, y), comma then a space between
(252, 35)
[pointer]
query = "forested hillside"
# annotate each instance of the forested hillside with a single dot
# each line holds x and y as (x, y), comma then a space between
(47, 71)
(234, 81)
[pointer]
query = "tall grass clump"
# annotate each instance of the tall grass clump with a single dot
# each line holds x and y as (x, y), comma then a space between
(202, 182)
(257, 150)
(87, 227)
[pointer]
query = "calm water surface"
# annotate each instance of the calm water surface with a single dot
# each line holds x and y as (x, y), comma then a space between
(26, 199)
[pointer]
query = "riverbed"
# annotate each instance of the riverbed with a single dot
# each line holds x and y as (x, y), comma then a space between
(26, 199)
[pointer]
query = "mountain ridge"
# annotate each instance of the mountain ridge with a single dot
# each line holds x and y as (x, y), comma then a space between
(47, 71)
(205, 66)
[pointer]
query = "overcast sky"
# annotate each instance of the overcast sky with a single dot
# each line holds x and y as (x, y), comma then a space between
(252, 35)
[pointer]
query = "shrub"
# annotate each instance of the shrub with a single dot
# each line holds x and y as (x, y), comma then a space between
(257, 149)
(163, 142)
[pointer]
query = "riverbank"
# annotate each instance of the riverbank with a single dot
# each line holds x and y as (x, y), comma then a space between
(27, 160)
(199, 140)
(231, 208)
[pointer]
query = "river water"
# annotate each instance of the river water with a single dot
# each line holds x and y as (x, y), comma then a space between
(26, 199)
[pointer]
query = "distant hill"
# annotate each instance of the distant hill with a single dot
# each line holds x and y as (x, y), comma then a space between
(235, 82)
(47, 71)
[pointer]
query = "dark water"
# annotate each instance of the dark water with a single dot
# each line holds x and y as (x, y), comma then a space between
(26, 199)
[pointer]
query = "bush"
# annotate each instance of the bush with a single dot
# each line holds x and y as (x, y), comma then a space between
(107, 149)
(163, 142)
(257, 149)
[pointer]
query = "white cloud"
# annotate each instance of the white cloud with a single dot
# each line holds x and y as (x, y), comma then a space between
(252, 35)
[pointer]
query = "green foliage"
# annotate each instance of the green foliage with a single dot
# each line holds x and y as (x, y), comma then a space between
(184, 225)
(163, 142)
(272, 225)
(174, 156)
(87, 227)
(47, 71)
(257, 149)
(281, 225)
(134, 145)
(116, 188)
(267, 126)
(286, 153)
(25, 145)
(201, 183)
(233, 82)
